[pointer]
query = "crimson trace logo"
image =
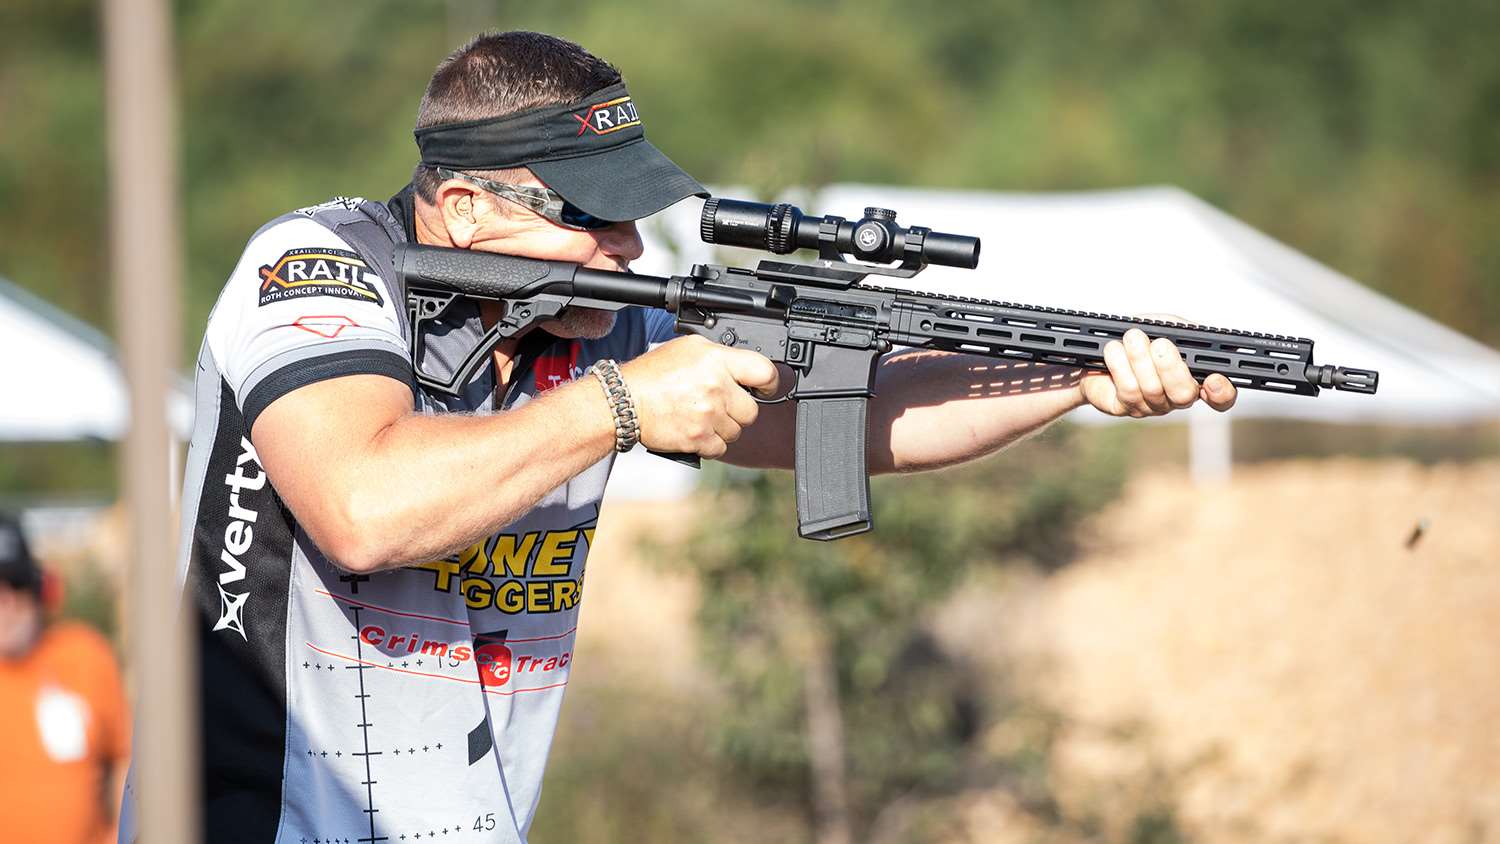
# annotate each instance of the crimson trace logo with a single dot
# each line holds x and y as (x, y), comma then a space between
(494, 658)
(603, 118)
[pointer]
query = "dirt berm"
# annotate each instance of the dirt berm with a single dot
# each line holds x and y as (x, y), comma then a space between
(1273, 659)
(1297, 662)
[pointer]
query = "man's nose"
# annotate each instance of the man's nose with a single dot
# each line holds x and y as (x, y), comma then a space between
(622, 241)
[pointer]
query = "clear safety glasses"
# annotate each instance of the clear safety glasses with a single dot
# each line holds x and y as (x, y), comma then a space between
(544, 201)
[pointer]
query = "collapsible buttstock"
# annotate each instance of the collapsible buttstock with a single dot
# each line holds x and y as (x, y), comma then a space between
(833, 486)
(472, 273)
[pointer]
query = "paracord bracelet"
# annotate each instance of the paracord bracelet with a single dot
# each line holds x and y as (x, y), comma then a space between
(627, 426)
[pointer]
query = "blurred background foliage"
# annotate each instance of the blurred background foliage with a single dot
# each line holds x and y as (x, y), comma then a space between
(1364, 133)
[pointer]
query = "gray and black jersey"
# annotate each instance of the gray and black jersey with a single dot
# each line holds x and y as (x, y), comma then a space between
(407, 705)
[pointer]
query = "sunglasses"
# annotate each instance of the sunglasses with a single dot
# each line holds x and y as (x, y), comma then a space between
(544, 201)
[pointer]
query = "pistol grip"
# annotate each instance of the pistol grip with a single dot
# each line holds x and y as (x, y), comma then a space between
(833, 486)
(685, 458)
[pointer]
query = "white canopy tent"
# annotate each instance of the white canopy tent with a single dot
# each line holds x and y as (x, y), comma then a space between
(1152, 250)
(60, 380)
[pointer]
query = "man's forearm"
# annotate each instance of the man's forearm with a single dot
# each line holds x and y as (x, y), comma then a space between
(935, 409)
(932, 409)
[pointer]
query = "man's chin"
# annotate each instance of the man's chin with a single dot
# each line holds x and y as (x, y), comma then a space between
(581, 324)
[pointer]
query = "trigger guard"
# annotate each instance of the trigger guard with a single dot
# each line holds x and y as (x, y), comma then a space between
(787, 396)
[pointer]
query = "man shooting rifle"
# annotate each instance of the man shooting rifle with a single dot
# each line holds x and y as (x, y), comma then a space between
(387, 578)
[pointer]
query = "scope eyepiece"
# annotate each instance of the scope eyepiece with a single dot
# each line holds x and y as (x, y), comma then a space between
(782, 228)
(753, 225)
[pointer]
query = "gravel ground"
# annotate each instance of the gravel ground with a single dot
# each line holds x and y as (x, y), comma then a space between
(1278, 656)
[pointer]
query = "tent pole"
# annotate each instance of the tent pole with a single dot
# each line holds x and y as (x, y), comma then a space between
(1210, 446)
(146, 250)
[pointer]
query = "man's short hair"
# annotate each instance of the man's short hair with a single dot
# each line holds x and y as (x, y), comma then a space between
(502, 73)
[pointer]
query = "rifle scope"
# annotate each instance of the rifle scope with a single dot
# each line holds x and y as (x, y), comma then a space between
(782, 228)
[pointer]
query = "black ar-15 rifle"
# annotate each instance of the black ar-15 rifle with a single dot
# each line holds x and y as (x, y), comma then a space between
(820, 320)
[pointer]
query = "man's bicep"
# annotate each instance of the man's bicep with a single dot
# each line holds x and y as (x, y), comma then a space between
(311, 440)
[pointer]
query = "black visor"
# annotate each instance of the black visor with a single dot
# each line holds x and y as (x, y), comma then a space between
(593, 152)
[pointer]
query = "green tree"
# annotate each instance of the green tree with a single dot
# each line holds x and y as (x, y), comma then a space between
(1367, 135)
(838, 689)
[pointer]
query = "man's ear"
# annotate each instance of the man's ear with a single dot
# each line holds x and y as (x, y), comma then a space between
(459, 204)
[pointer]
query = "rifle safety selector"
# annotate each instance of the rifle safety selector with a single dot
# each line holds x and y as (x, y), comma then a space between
(782, 228)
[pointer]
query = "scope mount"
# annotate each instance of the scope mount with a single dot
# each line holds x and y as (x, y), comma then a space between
(837, 274)
(871, 235)
(832, 268)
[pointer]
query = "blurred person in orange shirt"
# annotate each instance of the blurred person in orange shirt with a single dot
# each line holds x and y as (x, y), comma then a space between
(64, 725)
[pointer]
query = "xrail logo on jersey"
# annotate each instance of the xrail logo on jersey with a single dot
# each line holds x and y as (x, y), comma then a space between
(238, 536)
(318, 271)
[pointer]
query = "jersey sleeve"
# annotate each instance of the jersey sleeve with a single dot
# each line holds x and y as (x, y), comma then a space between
(301, 307)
